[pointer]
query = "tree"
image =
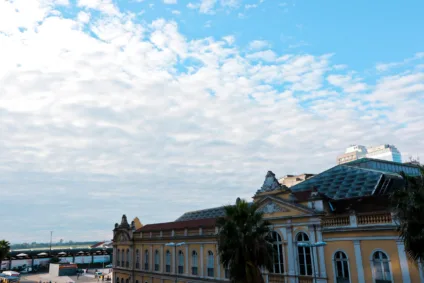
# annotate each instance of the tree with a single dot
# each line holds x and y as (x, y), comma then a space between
(408, 206)
(4, 249)
(244, 242)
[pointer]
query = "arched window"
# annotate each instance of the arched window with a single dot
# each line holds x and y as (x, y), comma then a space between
(304, 254)
(136, 281)
(128, 258)
(168, 261)
(146, 260)
(180, 262)
(341, 267)
(118, 259)
(157, 260)
(211, 264)
(123, 259)
(127, 281)
(117, 280)
(381, 268)
(194, 263)
(122, 280)
(137, 259)
(278, 266)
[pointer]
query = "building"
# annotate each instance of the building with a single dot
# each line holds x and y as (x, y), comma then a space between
(384, 152)
(345, 206)
(291, 180)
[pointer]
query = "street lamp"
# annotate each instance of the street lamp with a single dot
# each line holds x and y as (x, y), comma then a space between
(311, 246)
(175, 245)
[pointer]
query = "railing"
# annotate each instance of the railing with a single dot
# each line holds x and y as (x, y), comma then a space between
(375, 218)
(336, 221)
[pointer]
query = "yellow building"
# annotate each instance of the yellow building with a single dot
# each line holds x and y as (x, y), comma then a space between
(334, 227)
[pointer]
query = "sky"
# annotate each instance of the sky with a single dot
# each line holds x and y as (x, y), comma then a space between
(157, 107)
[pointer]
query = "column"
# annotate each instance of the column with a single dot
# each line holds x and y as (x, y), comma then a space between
(314, 250)
(201, 260)
(141, 258)
(291, 254)
(151, 268)
(358, 259)
(161, 261)
(218, 266)
(114, 257)
(321, 254)
(186, 259)
(174, 263)
(403, 261)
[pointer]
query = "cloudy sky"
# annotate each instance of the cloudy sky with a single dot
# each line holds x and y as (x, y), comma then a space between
(156, 107)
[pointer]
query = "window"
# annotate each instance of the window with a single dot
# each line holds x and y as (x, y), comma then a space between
(117, 279)
(118, 258)
(278, 266)
(137, 259)
(180, 262)
(341, 267)
(127, 281)
(194, 263)
(210, 264)
(168, 261)
(128, 258)
(227, 272)
(122, 280)
(146, 260)
(157, 260)
(381, 268)
(122, 259)
(304, 254)
(136, 281)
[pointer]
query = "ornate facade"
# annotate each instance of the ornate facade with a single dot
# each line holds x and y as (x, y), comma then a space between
(334, 227)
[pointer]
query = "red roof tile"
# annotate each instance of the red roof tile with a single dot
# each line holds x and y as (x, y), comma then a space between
(197, 223)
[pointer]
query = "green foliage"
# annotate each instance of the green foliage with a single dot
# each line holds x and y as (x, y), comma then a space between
(4, 249)
(408, 205)
(244, 242)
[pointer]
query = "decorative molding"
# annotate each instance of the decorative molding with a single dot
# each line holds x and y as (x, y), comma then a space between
(270, 184)
(361, 238)
(271, 207)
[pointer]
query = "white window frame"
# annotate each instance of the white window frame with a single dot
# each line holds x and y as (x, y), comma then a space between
(146, 260)
(335, 265)
(180, 261)
(157, 260)
(194, 261)
(304, 249)
(278, 243)
(210, 259)
(168, 261)
(372, 264)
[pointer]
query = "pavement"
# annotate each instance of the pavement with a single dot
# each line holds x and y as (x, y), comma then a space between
(47, 278)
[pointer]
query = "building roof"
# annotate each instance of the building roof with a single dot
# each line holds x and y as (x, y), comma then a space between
(204, 213)
(385, 166)
(196, 223)
(347, 181)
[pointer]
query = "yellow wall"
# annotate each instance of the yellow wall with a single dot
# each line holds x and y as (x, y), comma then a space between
(348, 248)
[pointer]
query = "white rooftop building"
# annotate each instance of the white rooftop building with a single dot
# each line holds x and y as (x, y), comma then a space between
(384, 152)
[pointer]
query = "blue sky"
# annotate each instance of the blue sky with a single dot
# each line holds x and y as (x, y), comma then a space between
(112, 107)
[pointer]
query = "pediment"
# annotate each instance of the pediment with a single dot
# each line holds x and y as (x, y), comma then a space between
(271, 207)
(122, 237)
(275, 206)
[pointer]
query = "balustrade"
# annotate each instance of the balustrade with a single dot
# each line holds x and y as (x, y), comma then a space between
(336, 221)
(375, 218)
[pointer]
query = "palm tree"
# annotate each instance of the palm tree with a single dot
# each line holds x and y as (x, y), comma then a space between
(4, 249)
(244, 242)
(408, 205)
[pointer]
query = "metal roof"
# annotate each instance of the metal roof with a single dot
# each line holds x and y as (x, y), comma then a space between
(204, 213)
(385, 166)
(344, 182)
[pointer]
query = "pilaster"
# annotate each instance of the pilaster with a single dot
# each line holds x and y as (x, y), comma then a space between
(201, 261)
(358, 259)
(161, 260)
(186, 259)
(322, 269)
(151, 263)
(314, 250)
(403, 261)
(290, 255)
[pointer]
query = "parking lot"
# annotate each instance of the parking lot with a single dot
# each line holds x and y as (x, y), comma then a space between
(47, 278)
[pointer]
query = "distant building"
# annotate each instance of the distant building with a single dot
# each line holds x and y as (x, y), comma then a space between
(291, 180)
(383, 152)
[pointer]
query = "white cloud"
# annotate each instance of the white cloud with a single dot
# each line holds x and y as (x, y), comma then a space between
(258, 44)
(266, 55)
(176, 12)
(119, 107)
(170, 1)
(250, 6)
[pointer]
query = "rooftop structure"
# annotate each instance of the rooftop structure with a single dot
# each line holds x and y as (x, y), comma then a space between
(384, 152)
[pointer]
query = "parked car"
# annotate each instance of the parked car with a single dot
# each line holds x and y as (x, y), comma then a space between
(109, 266)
